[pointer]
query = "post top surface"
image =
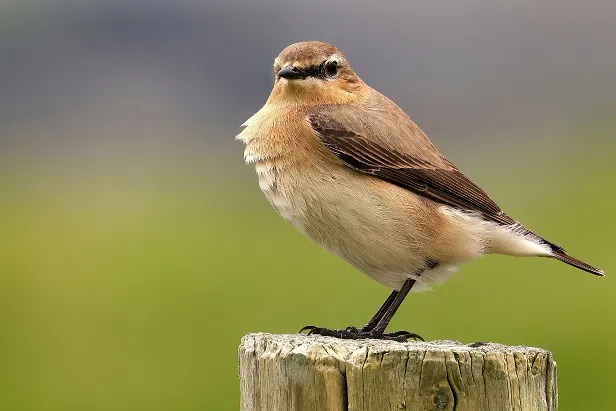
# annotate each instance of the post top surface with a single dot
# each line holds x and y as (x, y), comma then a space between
(308, 342)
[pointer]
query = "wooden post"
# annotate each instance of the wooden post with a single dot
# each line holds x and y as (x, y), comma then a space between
(314, 373)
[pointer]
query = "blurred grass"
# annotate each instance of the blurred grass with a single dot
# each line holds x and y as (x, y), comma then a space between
(128, 287)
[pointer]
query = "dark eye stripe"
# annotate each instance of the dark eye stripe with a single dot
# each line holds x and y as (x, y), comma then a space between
(316, 71)
(319, 71)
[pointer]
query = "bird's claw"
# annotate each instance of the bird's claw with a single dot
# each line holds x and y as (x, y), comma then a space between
(352, 333)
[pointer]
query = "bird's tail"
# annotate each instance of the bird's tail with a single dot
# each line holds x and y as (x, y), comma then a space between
(560, 255)
(547, 248)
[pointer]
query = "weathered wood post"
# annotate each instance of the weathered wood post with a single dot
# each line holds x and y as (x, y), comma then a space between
(313, 373)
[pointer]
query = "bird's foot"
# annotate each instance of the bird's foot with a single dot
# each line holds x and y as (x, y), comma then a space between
(352, 333)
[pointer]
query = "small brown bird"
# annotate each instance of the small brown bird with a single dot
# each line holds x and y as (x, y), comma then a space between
(350, 170)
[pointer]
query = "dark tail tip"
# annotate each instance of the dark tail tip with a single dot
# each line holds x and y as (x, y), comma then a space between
(567, 259)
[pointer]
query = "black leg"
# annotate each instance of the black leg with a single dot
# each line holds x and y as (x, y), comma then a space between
(375, 328)
(393, 307)
(379, 314)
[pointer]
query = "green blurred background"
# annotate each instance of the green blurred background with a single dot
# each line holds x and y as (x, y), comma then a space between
(136, 248)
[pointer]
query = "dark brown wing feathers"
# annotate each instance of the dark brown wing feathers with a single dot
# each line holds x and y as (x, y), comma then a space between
(443, 183)
(379, 139)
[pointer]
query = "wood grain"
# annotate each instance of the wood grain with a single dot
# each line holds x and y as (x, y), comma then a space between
(302, 373)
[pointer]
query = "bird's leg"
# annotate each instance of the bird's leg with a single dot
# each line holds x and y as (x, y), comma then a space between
(375, 328)
(379, 314)
(391, 310)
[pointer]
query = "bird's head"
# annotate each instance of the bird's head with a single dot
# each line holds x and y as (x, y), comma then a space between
(312, 72)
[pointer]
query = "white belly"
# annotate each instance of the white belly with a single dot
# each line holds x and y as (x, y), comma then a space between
(271, 185)
(366, 231)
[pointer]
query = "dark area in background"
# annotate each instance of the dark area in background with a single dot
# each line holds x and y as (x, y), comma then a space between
(116, 70)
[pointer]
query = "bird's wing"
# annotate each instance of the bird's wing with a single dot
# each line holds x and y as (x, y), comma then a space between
(379, 139)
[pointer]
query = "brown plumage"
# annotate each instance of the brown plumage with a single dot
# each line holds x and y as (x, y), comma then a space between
(420, 168)
(349, 169)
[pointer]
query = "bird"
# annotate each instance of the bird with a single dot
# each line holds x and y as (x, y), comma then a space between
(350, 170)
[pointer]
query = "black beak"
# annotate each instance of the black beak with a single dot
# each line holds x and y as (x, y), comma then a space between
(292, 73)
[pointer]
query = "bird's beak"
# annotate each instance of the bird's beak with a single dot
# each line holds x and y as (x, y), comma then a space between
(292, 73)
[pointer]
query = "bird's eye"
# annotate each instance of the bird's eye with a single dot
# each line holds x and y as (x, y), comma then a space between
(331, 68)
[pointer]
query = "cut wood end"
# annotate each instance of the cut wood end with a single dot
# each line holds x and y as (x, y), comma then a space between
(303, 342)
